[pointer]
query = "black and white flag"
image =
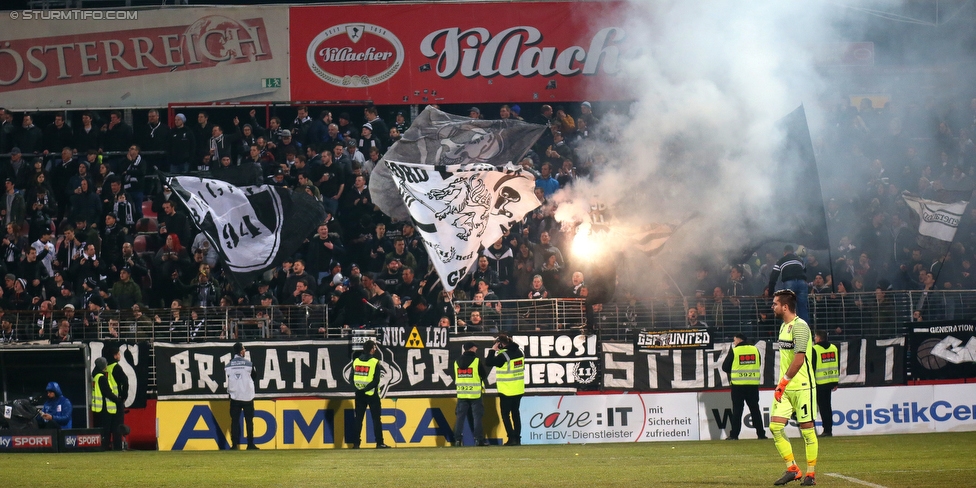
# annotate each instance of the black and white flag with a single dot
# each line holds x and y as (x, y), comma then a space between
(459, 208)
(253, 228)
(438, 139)
(937, 221)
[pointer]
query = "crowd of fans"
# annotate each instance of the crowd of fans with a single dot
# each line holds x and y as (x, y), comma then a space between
(93, 236)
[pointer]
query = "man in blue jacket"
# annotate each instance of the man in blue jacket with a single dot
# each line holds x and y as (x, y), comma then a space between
(57, 408)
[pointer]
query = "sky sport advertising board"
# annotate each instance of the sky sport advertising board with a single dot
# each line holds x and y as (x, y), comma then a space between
(458, 52)
(146, 60)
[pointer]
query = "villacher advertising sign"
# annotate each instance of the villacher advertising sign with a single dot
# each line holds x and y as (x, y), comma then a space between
(458, 52)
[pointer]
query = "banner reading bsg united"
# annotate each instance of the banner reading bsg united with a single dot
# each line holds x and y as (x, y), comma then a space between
(145, 58)
(470, 52)
(943, 350)
(865, 362)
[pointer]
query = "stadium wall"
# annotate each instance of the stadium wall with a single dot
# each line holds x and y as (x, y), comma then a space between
(663, 417)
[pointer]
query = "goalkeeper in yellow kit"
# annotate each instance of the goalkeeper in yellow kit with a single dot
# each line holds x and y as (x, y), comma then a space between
(796, 391)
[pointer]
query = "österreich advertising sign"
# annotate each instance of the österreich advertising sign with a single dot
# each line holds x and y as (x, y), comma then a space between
(458, 52)
(146, 58)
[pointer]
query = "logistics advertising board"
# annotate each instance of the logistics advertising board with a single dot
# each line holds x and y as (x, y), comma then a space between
(458, 52)
(160, 56)
(861, 411)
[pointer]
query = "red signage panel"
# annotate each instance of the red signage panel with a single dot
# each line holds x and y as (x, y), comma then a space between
(459, 53)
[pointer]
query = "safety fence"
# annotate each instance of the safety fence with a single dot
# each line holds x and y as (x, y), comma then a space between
(845, 316)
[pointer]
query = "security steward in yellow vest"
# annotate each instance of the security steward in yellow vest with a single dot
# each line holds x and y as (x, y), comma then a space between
(743, 364)
(509, 363)
(105, 401)
(470, 373)
(366, 372)
(117, 376)
(827, 371)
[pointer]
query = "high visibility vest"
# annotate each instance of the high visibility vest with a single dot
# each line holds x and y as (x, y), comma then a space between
(510, 377)
(827, 368)
(468, 381)
(98, 400)
(746, 365)
(114, 385)
(363, 372)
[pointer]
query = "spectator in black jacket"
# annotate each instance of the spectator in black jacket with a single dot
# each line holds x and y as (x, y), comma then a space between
(57, 136)
(30, 139)
(86, 137)
(182, 147)
(154, 136)
(116, 135)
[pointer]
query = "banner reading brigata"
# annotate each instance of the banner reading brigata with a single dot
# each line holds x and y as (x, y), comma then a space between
(458, 52)
(186, 55)
(305, 368)
(943, 350)
(418, 361)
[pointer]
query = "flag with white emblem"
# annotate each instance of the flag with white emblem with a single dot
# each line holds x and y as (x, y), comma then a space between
(446, 172)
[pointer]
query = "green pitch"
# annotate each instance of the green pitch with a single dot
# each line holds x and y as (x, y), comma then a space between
(929, 460)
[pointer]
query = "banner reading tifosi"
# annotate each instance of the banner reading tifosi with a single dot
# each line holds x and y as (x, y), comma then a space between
(867, 362)
(943, 350)
(146, 58)
(458, 52)
(318, 424)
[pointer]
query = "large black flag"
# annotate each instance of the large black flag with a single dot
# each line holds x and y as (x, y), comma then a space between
(800, 198)
(253, 228)
(440, 139)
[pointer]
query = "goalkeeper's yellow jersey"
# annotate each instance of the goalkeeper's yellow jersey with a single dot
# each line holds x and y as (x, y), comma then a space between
(794, 336)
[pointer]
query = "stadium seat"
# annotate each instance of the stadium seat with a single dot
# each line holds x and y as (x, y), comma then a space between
(147, 210)
(139, 244)
(147, 224)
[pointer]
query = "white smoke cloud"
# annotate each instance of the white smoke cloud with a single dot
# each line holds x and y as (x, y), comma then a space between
(710, 82)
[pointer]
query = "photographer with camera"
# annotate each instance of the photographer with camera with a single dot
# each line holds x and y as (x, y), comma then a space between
(509, 363)
(56, 412)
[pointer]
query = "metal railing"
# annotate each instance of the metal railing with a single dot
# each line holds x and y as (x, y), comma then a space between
(846, 316)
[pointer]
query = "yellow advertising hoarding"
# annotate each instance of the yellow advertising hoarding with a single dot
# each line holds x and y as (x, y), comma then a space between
(316, 423)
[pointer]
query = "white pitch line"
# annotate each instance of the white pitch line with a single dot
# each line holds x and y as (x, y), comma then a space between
(854, 480)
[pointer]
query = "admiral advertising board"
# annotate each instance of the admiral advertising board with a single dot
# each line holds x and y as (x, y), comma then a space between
(470, 52)
(146, 59)
(317, 424)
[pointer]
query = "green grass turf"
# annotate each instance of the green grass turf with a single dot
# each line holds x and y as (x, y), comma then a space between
(923, 460)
